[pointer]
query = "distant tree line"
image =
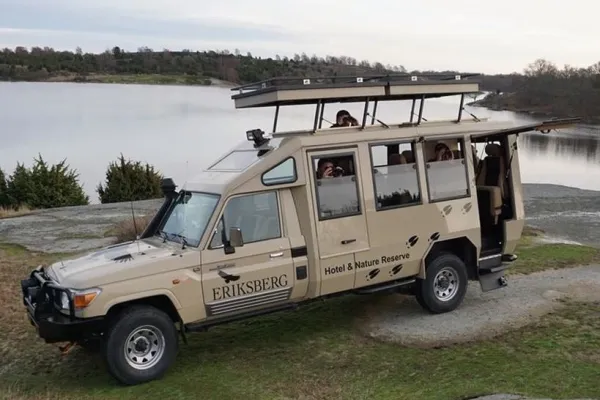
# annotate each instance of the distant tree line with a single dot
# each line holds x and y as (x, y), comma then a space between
(541, 88)
(48, 186)
(545, 89)
(40, 64)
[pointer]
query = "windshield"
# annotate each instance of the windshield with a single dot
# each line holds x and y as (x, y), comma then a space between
(186, 220)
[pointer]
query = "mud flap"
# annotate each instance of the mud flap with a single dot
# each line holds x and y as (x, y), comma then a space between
(492, 281)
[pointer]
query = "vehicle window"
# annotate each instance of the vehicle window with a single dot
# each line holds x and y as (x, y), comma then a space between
(446, 169)
(237, 160)
(336, 186)
(257, 215)
(395, 175)
(284, 172)
(188, 217)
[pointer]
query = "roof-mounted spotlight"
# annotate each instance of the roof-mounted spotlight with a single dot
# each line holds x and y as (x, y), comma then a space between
(257, 136)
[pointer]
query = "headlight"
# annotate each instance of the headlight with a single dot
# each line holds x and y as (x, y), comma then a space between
(81, 298)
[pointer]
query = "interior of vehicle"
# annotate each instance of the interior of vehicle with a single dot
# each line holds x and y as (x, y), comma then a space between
(492, 165)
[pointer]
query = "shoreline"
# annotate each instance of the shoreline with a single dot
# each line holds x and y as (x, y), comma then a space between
(504, 102)
(132, 79)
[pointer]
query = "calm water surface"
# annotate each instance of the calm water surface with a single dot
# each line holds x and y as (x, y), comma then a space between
(182, 129)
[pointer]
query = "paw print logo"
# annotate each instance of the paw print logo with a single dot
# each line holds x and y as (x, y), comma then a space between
(395, 270)
(412, 241)
(467, 207)
(372, 274)
(434, 236)
(446, 210)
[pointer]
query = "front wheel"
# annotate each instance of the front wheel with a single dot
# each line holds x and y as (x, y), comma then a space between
(141, 344)
(445, 285)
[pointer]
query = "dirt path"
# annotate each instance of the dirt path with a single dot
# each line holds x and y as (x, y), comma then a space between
(401, 320)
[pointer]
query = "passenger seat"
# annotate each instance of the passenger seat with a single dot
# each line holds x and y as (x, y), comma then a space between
(491, 182)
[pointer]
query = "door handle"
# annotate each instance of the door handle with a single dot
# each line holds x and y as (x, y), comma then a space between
(346, 241)
(274, 255)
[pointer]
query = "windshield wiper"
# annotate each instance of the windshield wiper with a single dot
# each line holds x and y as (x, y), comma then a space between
(163, 234)
(183, 239)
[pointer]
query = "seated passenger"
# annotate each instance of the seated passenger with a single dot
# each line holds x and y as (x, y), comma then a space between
(395, 159)
(475, 158)
(326, 169)
(442, 153)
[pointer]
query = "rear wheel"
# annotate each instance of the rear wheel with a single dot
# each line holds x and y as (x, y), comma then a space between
(141, 345)
(445, 285)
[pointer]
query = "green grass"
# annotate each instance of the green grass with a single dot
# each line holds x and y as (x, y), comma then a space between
(535, 256)
(317, 353)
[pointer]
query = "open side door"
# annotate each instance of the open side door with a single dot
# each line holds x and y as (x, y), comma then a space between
(499, 196)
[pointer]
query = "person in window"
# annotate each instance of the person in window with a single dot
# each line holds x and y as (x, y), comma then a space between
(442, 153)
(349, 120)
(396, 159)
(343, 118)
(327, 169)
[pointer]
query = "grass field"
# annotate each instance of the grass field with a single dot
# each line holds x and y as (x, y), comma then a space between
(11, 213)
(316, 353)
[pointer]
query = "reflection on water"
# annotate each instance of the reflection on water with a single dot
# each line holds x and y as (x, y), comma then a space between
(571, 148)
(561, 159)
(182, 129)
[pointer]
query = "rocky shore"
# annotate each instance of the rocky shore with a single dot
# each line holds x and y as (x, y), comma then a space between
(566, 214)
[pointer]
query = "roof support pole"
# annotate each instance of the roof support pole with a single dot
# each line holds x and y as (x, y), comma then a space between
(460, 108)
(276, 118)
(365, 112)
(412, 110)
(317, 112)
(421, 109)
(374, 112)
(321, 115)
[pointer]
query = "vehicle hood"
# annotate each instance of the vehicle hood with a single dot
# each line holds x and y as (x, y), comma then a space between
(109, 264)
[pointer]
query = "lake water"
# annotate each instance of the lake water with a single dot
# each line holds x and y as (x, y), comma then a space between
(182, 129)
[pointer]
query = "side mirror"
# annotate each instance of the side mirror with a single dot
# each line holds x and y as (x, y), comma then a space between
(235, 237)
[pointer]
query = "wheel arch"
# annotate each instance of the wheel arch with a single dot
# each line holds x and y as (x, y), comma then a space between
(160, 301)
(462, 247)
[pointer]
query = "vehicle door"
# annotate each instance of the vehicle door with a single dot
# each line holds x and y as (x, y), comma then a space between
(339, 215)
(257, 274)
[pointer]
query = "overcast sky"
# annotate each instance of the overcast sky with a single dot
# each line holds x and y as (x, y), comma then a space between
(468, 35)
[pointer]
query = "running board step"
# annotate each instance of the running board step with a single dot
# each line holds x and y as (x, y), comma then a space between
(490, 262)
(509, 257)
(384, 287)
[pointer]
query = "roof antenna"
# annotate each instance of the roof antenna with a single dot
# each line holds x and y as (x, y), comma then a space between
(183, 240)
(472, 115)
(137, 238)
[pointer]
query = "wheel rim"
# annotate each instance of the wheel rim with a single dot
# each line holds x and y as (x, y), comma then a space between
(144, 347)
(445, 284)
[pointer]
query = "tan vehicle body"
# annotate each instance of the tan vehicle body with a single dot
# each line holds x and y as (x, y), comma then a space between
(286, 250)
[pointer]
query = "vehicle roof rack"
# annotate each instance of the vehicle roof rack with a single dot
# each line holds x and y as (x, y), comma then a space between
(288, 91)
(343, 89)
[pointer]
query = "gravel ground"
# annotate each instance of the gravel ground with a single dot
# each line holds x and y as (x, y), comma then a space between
(401, 320)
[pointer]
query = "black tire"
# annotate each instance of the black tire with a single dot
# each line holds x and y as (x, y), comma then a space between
(156, 325)
(430, 297)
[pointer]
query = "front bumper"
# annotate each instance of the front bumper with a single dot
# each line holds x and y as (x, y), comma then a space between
(40, 297)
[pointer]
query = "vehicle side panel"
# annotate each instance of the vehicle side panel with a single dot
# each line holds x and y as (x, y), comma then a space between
(182, 286)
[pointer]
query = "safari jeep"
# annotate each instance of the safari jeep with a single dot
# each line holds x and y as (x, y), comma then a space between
(289, 217)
